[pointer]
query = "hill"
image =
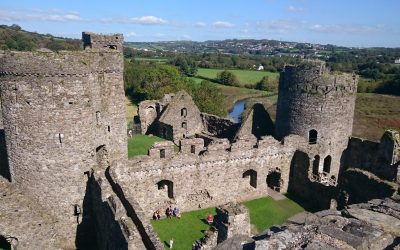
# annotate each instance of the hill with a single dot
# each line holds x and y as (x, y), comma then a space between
(14, 38)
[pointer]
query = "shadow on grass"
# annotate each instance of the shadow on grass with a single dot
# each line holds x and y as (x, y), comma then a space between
(307, 205)
(166, 244)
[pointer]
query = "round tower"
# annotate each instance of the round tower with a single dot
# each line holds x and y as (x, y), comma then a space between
(319, 106)
(62, 114)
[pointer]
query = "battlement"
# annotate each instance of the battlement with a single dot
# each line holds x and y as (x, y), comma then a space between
(62, 64)
(313, 77)
(101, 41)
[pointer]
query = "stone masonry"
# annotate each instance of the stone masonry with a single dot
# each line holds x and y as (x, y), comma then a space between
(59, 110)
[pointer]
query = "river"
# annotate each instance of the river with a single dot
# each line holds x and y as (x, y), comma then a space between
(237, 110)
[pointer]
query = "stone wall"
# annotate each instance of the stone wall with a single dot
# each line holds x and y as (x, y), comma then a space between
(58, 110)
(311, 98)
(183, 116)
(381, 158)
(214, 177)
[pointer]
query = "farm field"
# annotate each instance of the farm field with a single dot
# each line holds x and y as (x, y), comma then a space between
(244, 76)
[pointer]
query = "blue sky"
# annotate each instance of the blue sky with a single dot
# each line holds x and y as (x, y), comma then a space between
(360, 23)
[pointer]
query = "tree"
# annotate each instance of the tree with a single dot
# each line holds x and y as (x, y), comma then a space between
(227, 78)
(267, 84)
(185, 64)
(209, 98)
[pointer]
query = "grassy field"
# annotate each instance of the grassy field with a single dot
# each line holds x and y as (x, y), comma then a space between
(184, 231)
(244, 76)
(130, 109)
(140, 144)
(156, 60)
(374, 113)
(266, 212)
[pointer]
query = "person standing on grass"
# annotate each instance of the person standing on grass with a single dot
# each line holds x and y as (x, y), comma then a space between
(171, 243)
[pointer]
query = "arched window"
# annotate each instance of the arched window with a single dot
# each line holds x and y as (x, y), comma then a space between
(327, 164)
(166, 184)
(253, 177)
(312, 136)
(184, 112)
(315, 168)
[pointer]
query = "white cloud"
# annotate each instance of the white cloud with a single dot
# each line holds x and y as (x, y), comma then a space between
(39, 15)
(131, 34)
(148, 20)
(222, 24)
(279, 25)
(200, 24)
(292, 8)
(344, 28)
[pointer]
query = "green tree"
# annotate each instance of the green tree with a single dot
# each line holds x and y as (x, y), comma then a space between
(267, 84)
(209, 98)
(187, 65)
(227, 78)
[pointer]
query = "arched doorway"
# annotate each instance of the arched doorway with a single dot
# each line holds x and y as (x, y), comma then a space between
(327, 164)
(168, 185)
(253, 177)
(274, 180)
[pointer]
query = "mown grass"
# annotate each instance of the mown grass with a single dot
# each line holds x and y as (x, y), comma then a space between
(184, 231)
(250, 77)
(266, 212)
(140, 144)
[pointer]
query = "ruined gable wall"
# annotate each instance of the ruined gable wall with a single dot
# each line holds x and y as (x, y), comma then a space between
(310, 97)
(50, 104)
(214, 178)
(183, 116)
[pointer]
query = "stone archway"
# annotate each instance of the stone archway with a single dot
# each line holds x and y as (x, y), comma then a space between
(168, 185)
(253, 177)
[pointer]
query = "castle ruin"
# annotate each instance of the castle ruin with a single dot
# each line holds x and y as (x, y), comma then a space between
(65, 147)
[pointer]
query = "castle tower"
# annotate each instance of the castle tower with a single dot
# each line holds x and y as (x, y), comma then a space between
(319, 106)
(63, 115)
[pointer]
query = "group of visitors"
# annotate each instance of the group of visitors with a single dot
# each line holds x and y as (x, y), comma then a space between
(169, 212)
(173, 212)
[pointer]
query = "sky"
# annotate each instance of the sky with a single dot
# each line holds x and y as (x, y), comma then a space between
(353, 23)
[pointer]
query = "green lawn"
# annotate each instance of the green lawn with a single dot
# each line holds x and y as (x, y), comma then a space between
(184, 231)
(244, 76)
(140, 144)
(266, 212)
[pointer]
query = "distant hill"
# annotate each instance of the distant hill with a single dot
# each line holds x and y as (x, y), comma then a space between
(14, 38)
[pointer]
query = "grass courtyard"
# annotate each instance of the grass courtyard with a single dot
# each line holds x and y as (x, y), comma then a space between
(264, 213)
(140, 144)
